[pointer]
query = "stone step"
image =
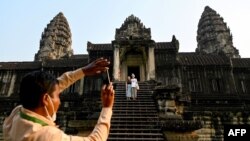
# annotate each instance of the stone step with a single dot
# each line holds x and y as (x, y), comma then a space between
(123, 130)
(134, 105)
(138, 93)
(138, 96)
(134, 115)
(139, 108)
(141, 88)
(134, 111)
(134, 139)
(138, 99)
(136, 135)
(134, 126)
(129, 102)
(121, 91)
(133, 123)
(135, 119)
(133, 101)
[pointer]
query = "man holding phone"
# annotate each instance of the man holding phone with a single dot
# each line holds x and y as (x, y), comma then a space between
(39, 95)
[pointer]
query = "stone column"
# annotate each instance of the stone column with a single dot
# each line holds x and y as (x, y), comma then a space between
(116, 67)
(12, 84)
(151, 64)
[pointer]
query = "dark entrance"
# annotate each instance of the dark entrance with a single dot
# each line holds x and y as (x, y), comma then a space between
(135, 70)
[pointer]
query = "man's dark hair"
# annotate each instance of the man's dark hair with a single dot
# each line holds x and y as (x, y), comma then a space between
(33, 86)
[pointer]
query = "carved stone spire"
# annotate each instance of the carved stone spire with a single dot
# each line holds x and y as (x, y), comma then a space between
(56, 41)
(213, 35)
(132, 29)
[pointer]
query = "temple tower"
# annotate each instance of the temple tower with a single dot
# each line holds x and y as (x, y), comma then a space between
(133, 51)
(213, 35)
(56, 40)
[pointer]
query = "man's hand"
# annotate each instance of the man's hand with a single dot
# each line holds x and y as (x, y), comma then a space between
(107, 95)
(96, 67)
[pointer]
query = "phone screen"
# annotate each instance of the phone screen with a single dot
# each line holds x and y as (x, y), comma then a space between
(108, 75)
(106, 78)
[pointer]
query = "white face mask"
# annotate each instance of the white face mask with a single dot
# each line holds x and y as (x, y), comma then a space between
(53, 118)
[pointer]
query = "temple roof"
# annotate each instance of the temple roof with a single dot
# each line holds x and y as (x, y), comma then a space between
(101, 47)
(108, 46)
(241, 62)
(79, 56)
(60, 63)
(66, 63)
(196, 59)
(165, 45)
(19, 65)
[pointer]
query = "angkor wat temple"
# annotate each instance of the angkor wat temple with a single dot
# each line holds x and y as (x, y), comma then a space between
(183, 95)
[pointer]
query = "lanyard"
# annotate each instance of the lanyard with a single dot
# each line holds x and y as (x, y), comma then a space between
(33, 119)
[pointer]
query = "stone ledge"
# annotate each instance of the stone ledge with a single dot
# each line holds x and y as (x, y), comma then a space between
(82, 123)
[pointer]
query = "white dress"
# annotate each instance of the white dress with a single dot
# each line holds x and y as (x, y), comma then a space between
(128, 92)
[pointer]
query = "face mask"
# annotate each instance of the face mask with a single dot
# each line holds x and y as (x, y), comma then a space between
(53, 118)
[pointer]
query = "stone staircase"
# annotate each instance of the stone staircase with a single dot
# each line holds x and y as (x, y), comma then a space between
(135, 119)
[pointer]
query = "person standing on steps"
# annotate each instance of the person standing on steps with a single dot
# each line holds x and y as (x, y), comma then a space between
(128, 88)
(134, 85)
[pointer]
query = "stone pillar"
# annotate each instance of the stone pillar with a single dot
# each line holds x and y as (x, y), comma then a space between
(151, 64)
(12, 84)
(116, 67)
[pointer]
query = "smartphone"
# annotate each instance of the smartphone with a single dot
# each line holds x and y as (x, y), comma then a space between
(106, 78)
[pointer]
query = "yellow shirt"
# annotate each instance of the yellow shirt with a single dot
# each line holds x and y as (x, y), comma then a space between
(25, 125)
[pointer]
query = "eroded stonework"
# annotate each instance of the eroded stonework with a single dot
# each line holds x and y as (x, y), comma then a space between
(213, 35)
(56, 41)
(132, 28)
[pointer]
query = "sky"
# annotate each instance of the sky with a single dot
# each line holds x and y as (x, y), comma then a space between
(23, 21)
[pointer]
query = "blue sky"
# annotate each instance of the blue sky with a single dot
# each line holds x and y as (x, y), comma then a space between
(23, 21)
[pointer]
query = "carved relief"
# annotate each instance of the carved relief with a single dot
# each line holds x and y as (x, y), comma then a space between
(133, 29)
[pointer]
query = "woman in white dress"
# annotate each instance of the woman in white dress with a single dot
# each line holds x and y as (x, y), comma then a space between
(128, 88)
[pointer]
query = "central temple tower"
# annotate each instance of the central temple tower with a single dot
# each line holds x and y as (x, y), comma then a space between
(133, 51)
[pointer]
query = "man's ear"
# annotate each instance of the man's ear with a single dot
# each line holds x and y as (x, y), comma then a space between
(45, 100)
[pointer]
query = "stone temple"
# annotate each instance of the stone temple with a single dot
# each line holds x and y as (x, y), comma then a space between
(186, 96)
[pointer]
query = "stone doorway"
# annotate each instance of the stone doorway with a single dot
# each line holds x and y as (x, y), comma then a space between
(135, 70)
